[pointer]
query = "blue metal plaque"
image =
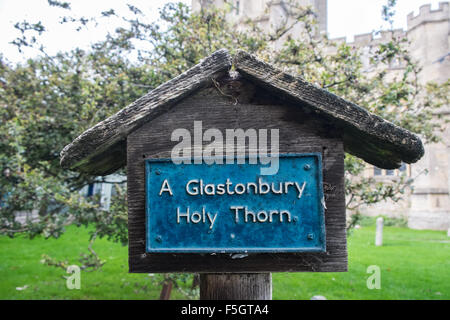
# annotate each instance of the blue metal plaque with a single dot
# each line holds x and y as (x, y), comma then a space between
(220, 208)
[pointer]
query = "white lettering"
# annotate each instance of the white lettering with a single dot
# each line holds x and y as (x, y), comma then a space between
(165, 187)
(300, 189)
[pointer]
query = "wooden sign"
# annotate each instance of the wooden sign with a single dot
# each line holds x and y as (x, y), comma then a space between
(298, 134)
(232, 208)
(200, 225)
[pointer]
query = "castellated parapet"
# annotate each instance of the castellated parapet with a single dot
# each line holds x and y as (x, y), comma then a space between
(367, 39)
(428, 35)
(426, 14)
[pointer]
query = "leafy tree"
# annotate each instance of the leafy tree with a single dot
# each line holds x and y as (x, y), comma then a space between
(48, 100)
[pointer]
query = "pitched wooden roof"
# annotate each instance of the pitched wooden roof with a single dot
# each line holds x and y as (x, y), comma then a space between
(102, 149)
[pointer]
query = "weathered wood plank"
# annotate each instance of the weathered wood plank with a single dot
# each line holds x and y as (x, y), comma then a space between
(366, 135)
(300, 132)
(96, 141)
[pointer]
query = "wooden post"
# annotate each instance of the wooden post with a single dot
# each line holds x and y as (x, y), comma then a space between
(236, 286)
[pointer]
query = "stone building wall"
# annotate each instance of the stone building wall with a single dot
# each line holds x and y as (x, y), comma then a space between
(268, 14)
(427, 206)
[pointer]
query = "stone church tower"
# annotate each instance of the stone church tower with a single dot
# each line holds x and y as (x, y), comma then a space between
(268, 14)
(427, 206)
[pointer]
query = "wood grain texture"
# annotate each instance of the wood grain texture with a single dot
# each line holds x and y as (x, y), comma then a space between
(366, 135)
(97, 142)
(236, 286)
(300, 131)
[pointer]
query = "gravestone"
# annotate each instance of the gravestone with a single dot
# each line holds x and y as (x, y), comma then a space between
(379, 232)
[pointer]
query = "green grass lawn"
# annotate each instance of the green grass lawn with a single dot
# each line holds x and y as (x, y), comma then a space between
(414, 265)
